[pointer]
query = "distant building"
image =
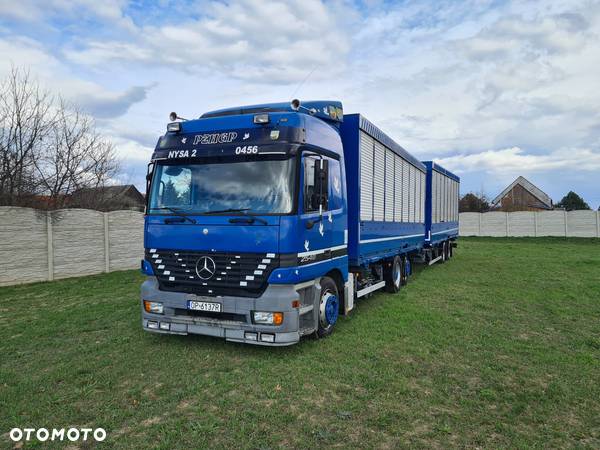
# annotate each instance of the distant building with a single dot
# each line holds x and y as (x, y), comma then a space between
(522, 195)
(108, 198)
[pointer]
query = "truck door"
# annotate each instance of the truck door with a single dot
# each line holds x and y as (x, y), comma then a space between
(321, 203)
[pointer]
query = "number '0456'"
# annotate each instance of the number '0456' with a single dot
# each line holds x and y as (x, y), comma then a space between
(247, 150)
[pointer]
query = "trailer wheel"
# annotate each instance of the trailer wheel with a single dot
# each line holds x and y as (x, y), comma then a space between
(450, 250)
(444, 251)
(406, 270)
(329, 307)
(393, 275)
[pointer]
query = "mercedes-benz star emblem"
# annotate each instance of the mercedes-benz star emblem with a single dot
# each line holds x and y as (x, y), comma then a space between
(205, 267)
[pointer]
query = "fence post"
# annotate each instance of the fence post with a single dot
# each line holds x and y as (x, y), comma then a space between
(479, 229)
(106, 244)
(50, 245)
(507, 224)
(566, 226)
(535, 226)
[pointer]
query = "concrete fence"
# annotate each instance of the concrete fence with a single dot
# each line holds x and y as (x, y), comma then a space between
(39, 246)
(529, 223)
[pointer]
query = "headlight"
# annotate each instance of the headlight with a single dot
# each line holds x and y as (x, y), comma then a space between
(268, 318)
(153, 307)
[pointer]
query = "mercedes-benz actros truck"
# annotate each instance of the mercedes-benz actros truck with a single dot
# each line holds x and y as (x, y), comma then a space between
(265, 223)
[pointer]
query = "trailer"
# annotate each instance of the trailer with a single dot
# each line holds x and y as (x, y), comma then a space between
(264, 223)
(386, 206)
(441, 218)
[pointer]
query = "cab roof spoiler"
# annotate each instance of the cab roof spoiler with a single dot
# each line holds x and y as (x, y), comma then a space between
(323, 109)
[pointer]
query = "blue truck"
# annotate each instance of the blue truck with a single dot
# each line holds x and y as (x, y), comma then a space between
(264, 223)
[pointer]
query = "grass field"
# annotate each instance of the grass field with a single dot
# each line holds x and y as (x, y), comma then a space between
(500, 347)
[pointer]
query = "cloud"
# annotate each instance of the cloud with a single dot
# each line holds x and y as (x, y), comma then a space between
(22, 51)
(55, 76)
(527, 37)
(516, 160)
(132, 151)
(103, 104)
(446, 79)
(478, 75)
(32, 11)
(257, 40)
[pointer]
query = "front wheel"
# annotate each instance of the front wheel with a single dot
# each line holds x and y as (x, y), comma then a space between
(329, 307)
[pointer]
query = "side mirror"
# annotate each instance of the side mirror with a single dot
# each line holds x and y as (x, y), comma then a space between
(321, 195)
(149, 174)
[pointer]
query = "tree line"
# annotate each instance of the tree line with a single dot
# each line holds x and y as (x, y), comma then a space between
(49, 148)
(474, 202)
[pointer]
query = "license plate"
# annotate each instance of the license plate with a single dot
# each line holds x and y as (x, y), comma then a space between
(204, 306)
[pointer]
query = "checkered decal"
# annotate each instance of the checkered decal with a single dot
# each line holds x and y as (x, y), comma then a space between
(239, 274)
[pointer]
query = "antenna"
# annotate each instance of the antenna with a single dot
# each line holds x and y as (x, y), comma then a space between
(304, 80)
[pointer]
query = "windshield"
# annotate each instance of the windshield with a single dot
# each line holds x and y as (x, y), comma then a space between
(263, 187)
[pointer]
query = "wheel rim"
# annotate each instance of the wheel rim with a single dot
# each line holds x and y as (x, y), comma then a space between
(397, 273)
(329, 309)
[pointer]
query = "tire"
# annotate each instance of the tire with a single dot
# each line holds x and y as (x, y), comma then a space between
(406, 270)
(329, 307)
(444, 251)
(393, 275)
(450, 250)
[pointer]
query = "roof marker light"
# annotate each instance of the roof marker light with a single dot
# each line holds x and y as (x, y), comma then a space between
(174, 126)
(261, 118)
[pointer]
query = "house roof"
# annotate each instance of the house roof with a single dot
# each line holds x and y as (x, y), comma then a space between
(113, 192)
(528, 186)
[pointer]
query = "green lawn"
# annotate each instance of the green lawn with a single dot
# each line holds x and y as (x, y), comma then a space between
(500, 347)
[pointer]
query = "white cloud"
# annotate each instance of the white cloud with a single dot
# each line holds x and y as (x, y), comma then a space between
(516, 160)
(443, 78)
(250, 39)
(132, 151)
(33, 11)
(477, 77)
(59, 79)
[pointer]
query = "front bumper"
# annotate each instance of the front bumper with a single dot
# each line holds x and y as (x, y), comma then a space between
(235, 320)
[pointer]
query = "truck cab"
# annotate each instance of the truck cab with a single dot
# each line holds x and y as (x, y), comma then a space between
(246, 227)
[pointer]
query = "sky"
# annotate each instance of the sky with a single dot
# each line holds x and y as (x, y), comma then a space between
(489, 89)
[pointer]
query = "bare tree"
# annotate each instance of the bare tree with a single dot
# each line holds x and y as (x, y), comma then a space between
(26, 118)
(75, 157)
(47, 147)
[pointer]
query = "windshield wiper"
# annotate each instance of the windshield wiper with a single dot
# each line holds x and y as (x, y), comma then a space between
(177, 211)
(243, 211)
(223, 211)
(254, 216)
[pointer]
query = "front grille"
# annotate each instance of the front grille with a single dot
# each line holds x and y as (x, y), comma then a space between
(211, 273)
